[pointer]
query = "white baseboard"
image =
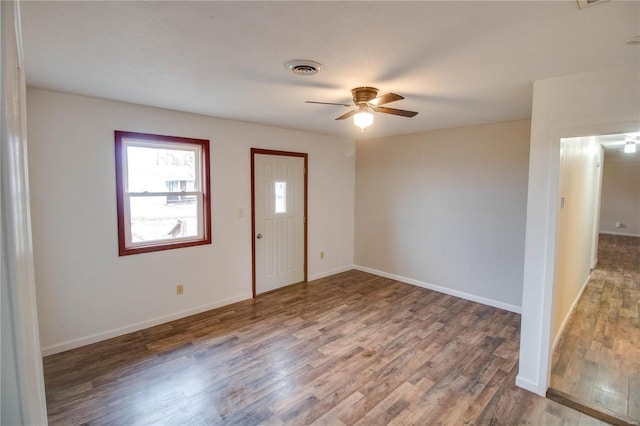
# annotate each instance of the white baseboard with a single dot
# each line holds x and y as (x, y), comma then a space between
(329, 273)
(445, 290)
(530, 386)
(87, 340)
(624, 234)
(565, 321)
(93, 338)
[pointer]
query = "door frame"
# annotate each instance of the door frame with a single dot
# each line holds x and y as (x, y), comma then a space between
(540, 255)
(305, 156)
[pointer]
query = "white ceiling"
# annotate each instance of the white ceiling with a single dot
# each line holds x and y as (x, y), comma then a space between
(457, 63)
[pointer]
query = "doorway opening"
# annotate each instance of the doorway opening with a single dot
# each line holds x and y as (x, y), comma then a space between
(595, 365)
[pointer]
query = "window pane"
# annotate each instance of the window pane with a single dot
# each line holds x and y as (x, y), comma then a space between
(281, 197)
(160, 170)
(155, 218)
(163, 182)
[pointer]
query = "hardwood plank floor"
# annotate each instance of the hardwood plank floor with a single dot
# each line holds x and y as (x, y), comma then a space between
(352, 349)
(598, 356)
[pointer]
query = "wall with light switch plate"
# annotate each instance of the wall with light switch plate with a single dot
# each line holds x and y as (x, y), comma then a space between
(599, 102)
(579, 188)
(85, 291)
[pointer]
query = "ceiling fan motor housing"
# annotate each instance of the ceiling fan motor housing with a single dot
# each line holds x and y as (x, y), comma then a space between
(366, 100)
(362, 95)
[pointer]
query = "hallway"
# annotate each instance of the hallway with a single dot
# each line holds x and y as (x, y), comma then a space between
(597, 359)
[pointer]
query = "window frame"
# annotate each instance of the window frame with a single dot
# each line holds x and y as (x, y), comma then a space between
(124, 139)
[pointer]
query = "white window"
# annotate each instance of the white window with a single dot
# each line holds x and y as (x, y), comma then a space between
(162, 192)
(280, 192)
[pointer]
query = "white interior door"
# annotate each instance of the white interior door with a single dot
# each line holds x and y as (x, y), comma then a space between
(279, 221)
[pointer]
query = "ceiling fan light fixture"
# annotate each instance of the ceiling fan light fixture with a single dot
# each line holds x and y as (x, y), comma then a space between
(366, 101)
(633, 40)
(630, 147)
(363, 119)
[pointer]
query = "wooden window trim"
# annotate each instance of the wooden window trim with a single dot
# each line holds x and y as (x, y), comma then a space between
(120, 136)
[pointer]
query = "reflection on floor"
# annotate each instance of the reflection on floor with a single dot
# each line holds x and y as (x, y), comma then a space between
(598, 356)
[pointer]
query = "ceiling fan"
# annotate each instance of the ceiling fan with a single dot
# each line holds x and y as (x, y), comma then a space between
(366, 101)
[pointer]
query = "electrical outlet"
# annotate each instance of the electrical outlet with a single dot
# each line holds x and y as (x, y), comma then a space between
(179, 289)
(321, 255)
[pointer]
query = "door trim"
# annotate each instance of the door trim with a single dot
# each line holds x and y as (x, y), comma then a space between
(303, 155)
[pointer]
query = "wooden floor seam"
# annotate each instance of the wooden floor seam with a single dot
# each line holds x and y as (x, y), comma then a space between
(590, 408)
(597, 359)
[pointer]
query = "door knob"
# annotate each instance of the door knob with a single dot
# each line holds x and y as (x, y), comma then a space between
(259, 236)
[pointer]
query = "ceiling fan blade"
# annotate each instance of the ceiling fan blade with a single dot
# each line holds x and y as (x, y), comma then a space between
(385, 99)
(394, 111)
(347, 115)
(326, 103)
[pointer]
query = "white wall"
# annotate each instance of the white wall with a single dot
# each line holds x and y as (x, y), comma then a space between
(580, 166)
(603, 102)
(621, 193)
(446, 210)
(85, 291)
(22, 395)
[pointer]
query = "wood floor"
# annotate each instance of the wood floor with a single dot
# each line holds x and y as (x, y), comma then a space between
(598, 356)
(353, 348)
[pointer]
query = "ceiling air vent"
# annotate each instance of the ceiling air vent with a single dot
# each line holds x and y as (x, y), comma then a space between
(585, 3)
(304, 67)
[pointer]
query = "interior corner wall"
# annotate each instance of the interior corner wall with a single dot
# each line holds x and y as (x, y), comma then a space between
(591, 103)
(620, 194)
(580, 165)
(446, 209)
(86, 292)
